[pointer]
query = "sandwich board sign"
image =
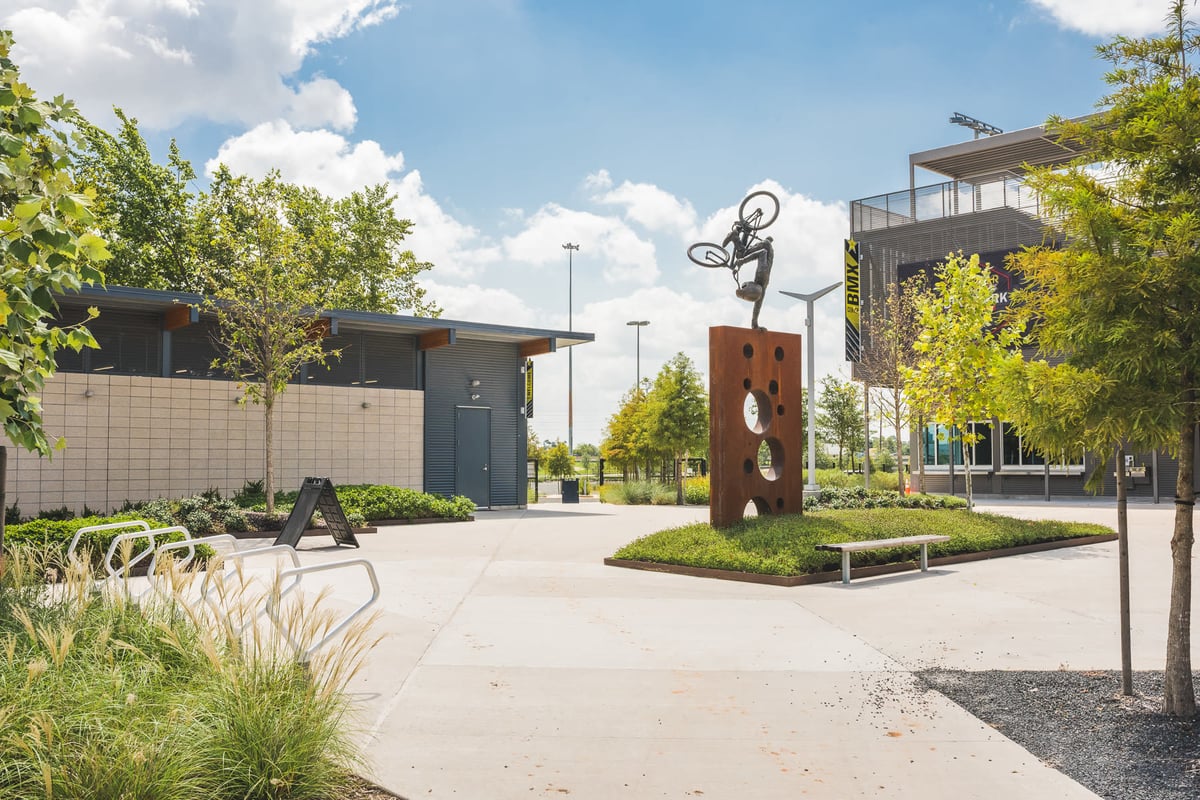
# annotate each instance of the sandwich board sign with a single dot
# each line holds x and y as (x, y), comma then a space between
(317, 494)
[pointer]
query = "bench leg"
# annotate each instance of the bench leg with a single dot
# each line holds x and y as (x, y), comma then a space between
(845, 566)
(924, 558)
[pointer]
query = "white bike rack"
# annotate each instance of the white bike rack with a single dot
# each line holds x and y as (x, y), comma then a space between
(272, 608)
(109, 526)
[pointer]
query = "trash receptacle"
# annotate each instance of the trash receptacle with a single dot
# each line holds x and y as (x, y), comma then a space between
(570, 490)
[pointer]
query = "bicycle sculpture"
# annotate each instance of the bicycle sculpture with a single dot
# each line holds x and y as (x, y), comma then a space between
(743, 245)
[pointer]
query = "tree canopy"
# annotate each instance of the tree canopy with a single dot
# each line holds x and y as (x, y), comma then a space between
(1120, 301)
(157, 226)
(840, 416)
(959, 349)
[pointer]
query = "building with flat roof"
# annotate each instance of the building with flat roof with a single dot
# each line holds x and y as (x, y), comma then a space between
(430, 404)
(982, 206)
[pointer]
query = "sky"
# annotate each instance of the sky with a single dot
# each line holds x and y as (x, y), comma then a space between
(632, 128)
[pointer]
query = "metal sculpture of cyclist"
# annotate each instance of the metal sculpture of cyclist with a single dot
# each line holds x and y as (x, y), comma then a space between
(741, 246)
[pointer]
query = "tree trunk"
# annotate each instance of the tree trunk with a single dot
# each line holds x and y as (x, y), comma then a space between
(1179, 696)
(866, 435)
(269, 444)
(679, 479)
(1123, 574)
(962, 448)
(899, 447)
(921, 455)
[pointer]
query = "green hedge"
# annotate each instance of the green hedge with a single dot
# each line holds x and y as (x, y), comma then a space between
(858, 497)
(376, 502)
(786, 544)
(54, 535)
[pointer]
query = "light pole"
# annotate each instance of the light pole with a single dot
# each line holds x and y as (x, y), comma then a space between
(811, 486)
(570, 248)
(638, 324)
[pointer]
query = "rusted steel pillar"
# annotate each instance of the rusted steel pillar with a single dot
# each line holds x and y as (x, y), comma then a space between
(761, 368)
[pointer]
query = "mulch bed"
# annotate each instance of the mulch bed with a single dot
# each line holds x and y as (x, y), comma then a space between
(1121, 748)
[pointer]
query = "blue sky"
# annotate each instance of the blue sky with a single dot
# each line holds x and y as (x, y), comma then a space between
(508, 127)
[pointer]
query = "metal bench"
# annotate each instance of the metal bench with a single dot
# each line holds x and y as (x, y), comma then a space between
(846, 548)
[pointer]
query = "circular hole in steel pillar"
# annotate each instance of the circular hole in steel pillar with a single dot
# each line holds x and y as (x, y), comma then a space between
(770, 458)
(756, 410)
(748, 350)
(746, 384)
(748, 466)
(773, 387)
(779, 354)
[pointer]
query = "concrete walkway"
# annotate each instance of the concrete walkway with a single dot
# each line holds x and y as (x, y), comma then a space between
(516, 665)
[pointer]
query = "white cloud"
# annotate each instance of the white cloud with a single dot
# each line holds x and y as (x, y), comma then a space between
(645, 204)
(165, 61)
(623, 256)
(1108, 17)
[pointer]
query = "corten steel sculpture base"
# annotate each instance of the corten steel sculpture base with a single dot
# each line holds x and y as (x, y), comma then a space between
(765, 367)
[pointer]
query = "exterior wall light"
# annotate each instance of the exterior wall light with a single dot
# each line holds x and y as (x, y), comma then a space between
(88, 393)
(365, 404)
(473, 382)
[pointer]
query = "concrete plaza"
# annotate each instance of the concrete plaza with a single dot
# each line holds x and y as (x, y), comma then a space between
(515, 664)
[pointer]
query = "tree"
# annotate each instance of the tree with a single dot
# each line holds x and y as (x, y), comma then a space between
(586, 454)
(143, 209)
(356, 245)
(840, 416)
(626, 442)
(43, 251)
(1121, 299)
(559, 462)
(677, 407)
(892, 331)
(959, 350)
(533, 447)
(264, 295)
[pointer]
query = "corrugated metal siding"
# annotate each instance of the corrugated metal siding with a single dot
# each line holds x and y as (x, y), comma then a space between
(497, 368)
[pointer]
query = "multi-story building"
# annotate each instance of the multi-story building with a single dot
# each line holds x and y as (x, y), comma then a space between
(983, 206)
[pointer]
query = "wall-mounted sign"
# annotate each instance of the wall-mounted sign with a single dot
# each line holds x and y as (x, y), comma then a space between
(853, 304)
(529, 388)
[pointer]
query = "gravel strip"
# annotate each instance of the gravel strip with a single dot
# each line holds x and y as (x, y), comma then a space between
(1122, 748)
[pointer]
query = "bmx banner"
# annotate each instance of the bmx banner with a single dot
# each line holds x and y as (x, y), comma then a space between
(529, 388)
(853, 304)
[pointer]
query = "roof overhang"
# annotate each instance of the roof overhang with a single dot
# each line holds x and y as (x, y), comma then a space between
(1003, 154)
(433, 331)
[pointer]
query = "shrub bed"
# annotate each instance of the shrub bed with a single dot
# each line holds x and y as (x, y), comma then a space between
(52, 536)
(786, 544)
(109, 699)
(375, 502)
(858, 497)
(638, 493)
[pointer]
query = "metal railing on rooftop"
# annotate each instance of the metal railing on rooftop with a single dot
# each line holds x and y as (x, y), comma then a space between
(941, 200)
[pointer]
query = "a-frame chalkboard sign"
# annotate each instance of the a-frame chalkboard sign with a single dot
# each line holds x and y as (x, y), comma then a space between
(317, 493)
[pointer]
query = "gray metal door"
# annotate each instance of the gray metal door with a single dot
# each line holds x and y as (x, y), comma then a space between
(472, 438)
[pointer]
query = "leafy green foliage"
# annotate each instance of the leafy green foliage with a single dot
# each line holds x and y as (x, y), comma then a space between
(558, 462)
(377, 502)
(201, 514)
(264, 294)
(858, 497)
(143, 209)
(113, 700)
(45, 249)
(840, 416)
(638, 493)
(696, 491)
(677, 408)
(53, 535)
(959, 349)
(786, 545)
(1121, 300)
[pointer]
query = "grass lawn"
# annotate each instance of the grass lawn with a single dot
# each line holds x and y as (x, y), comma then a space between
(786, 545)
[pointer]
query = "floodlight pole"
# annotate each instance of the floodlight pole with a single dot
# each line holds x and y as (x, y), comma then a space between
(570, 248)
(810, 486)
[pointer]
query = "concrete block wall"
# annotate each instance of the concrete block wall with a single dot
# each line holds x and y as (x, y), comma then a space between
(138, 438)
